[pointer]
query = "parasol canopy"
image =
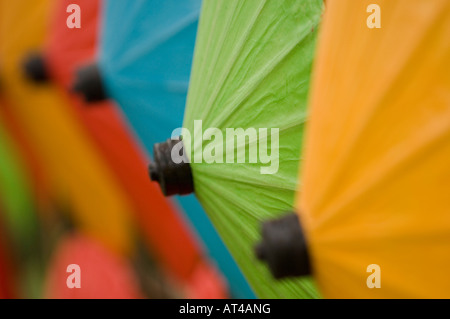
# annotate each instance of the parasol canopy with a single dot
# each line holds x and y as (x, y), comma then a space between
(8, 289)
(374, 195)
(250, 73)
(16, 198)
(79, 175)
(144, 64)
(168, 235)
(18, 218)
(81, 260)
(32, 162)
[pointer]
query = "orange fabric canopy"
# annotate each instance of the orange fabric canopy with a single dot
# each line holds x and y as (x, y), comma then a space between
(376, 173)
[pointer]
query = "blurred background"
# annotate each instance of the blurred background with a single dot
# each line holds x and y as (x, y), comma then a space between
(74, 188)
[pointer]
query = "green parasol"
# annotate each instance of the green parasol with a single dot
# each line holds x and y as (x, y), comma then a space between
(251, 71)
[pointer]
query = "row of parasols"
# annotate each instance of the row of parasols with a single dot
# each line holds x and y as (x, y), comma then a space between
(86, 156)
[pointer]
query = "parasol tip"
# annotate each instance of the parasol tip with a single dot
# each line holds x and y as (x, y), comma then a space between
(173, 178)
(88, 83)
(35, 68)
(153, 172)
(283, 247)
(260, 252)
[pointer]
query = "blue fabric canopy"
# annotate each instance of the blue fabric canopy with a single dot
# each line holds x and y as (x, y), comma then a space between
(145, 60)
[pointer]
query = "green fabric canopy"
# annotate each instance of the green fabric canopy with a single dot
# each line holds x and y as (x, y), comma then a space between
(251, 69)
(19, 214)
(15, 194)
